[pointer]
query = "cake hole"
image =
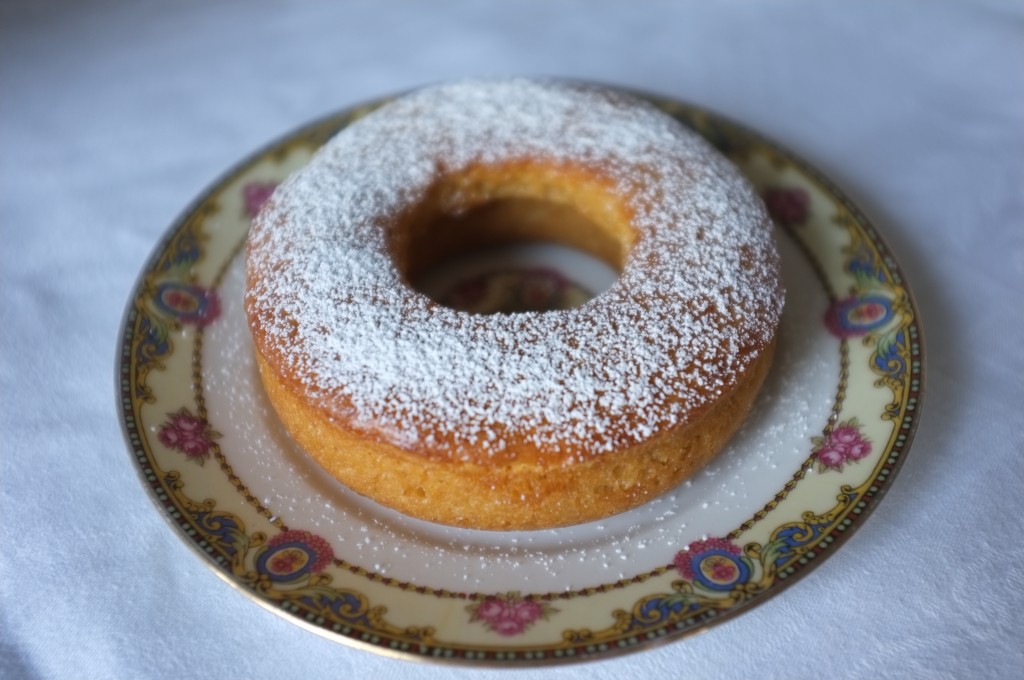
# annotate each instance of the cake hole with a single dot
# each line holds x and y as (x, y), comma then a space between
(521, 277)
(509, 256)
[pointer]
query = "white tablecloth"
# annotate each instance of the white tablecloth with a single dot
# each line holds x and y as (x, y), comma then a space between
(115, 115)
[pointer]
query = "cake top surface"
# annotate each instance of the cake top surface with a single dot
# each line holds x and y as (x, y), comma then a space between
(699, 297)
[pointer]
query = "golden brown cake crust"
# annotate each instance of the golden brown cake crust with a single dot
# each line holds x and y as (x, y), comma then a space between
(514, 495)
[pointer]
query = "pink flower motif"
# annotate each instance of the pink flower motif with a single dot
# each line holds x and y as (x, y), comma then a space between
(684, 559)
(509, 614)
(197, 447)
(169, 436)
(788, 206)
(844, 434)
(507, 626)
(844, 444)
(287, 560)
(187, 424)
(305, 541)
(528, 611)
(189, 434)
(490, 609)
(723, 570)
(255, 194)
(858, 450)
(832, 457)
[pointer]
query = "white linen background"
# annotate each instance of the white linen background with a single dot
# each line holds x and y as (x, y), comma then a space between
(115, 115)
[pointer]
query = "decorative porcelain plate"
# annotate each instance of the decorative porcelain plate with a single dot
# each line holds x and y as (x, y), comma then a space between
(826, 436)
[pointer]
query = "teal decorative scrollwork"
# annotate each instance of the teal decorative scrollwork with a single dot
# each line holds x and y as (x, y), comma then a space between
(288, 569)
(717, 575)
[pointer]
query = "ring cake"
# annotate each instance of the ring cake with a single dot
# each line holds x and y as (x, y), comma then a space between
(516, 420)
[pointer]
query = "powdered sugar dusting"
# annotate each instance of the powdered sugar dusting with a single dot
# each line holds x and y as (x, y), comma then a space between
(699, 295)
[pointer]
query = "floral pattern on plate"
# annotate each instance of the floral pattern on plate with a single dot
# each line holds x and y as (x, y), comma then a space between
(315, 581)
